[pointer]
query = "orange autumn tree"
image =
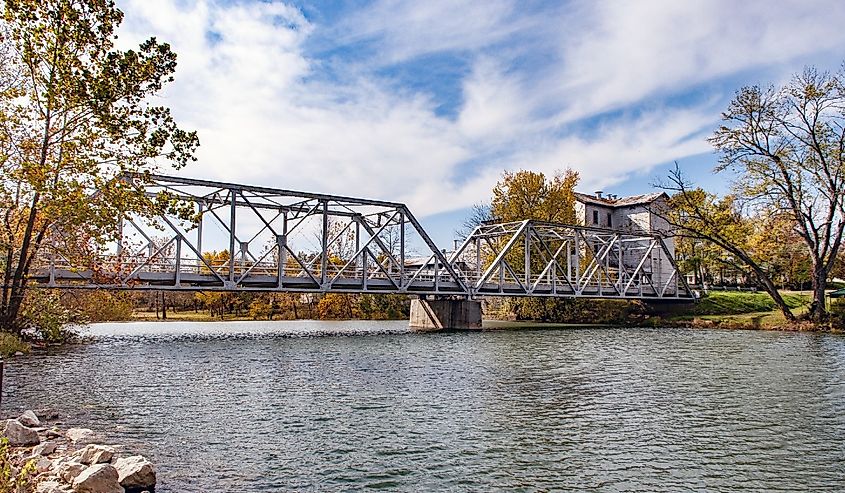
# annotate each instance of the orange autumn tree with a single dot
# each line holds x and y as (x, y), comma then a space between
(531, 195)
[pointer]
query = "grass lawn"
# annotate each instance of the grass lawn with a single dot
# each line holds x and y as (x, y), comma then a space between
(744, 309)
(739, 303)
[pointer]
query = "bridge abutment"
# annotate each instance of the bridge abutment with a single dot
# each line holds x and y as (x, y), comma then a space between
(445, 314)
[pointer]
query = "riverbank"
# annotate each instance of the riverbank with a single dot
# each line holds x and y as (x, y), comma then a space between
(720, 309)
(746, 321)
(37, 456)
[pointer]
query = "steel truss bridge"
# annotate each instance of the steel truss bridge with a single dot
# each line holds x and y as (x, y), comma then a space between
(265, 239)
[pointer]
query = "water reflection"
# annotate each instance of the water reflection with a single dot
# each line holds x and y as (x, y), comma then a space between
(276, 406)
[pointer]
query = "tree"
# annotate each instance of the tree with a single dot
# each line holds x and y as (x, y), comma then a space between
(839, 268)
(383, 306)
(768, 238)
(260, 308)
(698, 215)
(787, 146)
(529, 195)
(75, 117)
(335, 306)
(782, 253)
(700, 258)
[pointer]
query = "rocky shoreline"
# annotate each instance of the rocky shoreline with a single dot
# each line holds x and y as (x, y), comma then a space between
(46, 459)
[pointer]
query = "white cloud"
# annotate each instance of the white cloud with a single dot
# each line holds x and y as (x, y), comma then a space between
(493, 102)
(267, 113)
(604, 158)
(620, 52)
(410, 29)
(241, 83)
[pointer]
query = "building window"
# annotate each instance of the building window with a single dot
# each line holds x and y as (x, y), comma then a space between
(595, 217)
(609, 221)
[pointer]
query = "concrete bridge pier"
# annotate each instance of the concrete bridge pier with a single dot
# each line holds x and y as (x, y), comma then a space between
(437, 314)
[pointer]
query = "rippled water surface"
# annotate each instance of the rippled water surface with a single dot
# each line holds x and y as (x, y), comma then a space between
(293, 406)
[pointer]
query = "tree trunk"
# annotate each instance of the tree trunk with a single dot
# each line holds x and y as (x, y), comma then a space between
(772, 290)
(818, 310)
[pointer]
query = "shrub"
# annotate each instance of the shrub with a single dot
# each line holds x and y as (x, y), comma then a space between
(577, 311)
(12, 478)
(46, 318)
(11, 344)
(103, 306)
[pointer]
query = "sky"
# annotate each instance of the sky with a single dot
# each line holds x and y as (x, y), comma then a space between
(429, 102)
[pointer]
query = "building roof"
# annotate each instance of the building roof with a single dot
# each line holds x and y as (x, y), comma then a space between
(839, 293)
(620, 201)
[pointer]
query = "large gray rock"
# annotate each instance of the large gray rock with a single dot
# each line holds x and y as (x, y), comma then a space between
(94, 454)
(100, 478)
(81, 436)
(69, 470)
(135, 472)
(28, 418)
(19, 435)
(45, 448)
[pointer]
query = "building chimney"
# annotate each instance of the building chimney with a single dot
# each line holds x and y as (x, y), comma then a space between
(598, 194)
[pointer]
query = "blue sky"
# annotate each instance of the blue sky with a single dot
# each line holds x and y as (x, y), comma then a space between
(428, 102)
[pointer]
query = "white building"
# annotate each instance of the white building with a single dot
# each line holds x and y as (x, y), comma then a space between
(635, 214)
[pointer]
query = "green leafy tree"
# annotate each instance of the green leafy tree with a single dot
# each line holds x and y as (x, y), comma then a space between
(787, 147)
(75, 116)
(700, 258)
(783, 254)
(698, 215)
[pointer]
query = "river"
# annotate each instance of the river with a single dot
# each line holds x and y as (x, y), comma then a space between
(339, 406)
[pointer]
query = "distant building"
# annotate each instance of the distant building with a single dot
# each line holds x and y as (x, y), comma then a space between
(634, 214)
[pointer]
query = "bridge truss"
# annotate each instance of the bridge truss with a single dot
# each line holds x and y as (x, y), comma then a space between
(533, 258)
(248, 238)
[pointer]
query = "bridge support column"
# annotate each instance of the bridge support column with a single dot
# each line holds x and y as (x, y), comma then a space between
(445, 314)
